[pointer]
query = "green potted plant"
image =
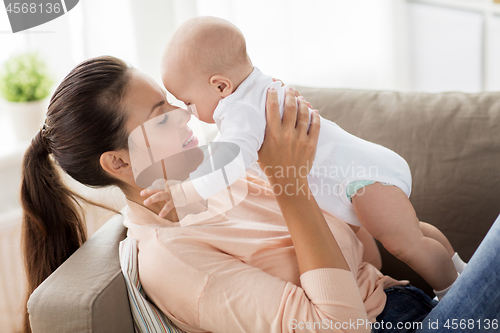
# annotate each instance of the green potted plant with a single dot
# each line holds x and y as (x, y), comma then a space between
(25, 82)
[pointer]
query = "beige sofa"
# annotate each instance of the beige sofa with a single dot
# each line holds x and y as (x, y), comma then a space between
(451, 142)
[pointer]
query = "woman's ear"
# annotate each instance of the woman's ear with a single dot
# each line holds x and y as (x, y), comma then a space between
(117, 164)
(222, 85)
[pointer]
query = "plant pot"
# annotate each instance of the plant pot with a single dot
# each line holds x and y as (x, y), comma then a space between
(26, 118)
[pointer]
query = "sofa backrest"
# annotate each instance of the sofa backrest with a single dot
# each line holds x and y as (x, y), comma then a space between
(451, 142)
(87, 293)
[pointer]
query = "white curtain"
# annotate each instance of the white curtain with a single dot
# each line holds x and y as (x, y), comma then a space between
(407, 45)
(316, 42)
(92, 28)
(11, 272)
(328, 43)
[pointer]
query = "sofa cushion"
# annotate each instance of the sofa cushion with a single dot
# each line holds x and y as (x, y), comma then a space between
(147, 317)
(87, 293)
(451, 142)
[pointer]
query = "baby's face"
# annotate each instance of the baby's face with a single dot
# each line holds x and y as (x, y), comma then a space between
(195, 93)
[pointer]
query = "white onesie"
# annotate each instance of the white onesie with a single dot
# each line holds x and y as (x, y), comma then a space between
(341, 158)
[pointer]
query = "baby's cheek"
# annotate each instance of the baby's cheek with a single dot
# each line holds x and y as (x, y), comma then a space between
(207, 115)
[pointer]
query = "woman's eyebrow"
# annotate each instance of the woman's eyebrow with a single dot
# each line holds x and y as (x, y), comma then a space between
(155, 106)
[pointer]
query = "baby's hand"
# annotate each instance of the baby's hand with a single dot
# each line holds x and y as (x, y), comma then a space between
(159, 191)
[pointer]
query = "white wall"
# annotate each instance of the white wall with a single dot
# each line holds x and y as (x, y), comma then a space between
(445, 48)
(494, 77)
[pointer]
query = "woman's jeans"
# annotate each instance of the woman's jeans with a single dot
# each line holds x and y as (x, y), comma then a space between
(471, 305)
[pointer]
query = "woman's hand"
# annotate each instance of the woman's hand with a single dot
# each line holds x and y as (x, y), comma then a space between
(286, 157)
(296, 92)
(288, 151)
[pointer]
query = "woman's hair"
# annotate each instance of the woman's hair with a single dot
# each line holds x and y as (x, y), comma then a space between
(85, 118)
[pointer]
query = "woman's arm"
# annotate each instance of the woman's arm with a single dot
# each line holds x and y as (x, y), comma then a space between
(237, 297)
(371, 253)
(234, 296)
(289, 146)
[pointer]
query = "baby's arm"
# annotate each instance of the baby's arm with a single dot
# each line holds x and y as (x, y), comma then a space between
(178, 194)
(245, 126)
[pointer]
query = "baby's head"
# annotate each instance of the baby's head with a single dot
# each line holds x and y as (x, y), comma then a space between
(205, 61)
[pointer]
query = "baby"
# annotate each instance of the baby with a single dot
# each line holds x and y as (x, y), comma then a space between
(206, 65)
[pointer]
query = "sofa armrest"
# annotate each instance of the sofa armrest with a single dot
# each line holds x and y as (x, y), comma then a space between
(87, 293)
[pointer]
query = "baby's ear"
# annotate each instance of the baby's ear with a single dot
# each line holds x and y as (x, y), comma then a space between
(222, 85)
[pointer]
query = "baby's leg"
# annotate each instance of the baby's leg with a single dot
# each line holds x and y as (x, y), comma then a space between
(387, 214)
(432, 232)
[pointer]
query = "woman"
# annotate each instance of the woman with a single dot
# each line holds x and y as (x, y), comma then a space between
(273, 263)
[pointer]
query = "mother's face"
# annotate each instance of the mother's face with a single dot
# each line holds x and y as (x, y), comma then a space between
(158, 132)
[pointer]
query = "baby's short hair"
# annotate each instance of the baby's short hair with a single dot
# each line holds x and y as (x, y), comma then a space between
(212, 46)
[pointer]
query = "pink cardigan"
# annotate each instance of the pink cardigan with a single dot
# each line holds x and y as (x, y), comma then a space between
(236, 271)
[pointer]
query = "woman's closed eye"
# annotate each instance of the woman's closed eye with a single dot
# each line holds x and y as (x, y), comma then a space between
(165, 118)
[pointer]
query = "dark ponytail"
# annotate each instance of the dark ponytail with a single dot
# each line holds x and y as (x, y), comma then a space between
(53, 227)
(85, 119)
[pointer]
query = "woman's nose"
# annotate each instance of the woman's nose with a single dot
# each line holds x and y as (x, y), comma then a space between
(185, 117)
